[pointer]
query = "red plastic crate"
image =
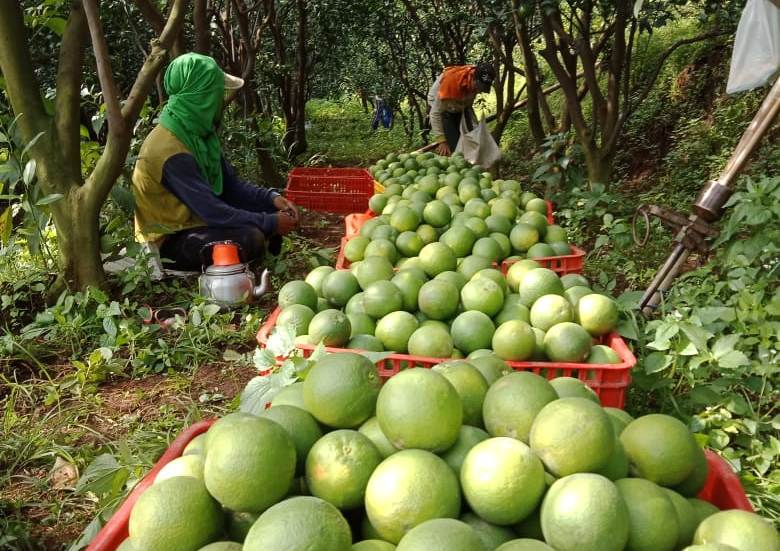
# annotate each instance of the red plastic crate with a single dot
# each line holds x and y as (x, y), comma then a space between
(609, 381)
(337, 190)
(722, 488)
(356, 220)
(561, 265)
(116, 529)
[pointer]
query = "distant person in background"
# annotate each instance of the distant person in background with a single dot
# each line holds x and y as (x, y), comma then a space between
(186, 193)
(383, 114)
(452, 97)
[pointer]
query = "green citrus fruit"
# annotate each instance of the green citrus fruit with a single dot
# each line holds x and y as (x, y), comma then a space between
(381, 246)
(382, 297)
(687, 520)
(419, 408)
(740, 529)
(372, 269)
(549, 310)
(471, 331)
(574, 294)
(341, 389)
(373, 545)
(407, 489)
(331, 327)
(365, 342)
(513, 402)
(300, 426)
(467, 438)
(395, 329)
(373, 432)
(437, 258)
(502, 480)
(537, 283)
(291, 395)
(523, 237)
(355, 247)
(584, 512)
(517, 271)
(602, 354)
(489, 248)
(438, 299)
(250, 464)
(567, 342)
(456, 278)
(483, 295)
(437, 214)
(660, 448)
(460, 239)
(569, 387)
(470, 385)
(361, 324)
(339, 286)
(298, 316)
(652, 519)
(302, 522)
(338, 467)
(473, 264)
(597, 314)
(524, 544)
(514, 340)
(297, 292)
(440, 533)
(574, 280)
(186, 465)
(491, 366)
(177, 513)
(572, 435)
(409, 284)
(555, 233)
(430, 342)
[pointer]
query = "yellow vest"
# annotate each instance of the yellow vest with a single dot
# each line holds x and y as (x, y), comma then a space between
(158, 211)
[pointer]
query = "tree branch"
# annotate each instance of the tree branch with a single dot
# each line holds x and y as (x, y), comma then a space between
(155, 61)
(17, 68)
(662, 60)
(67, 111)
(200, 20)
(116, 124)
(157, 22)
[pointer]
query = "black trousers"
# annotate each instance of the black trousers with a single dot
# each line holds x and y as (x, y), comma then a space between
(451, 124)
(187, 250)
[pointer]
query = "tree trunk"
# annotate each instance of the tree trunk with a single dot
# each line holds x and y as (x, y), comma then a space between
(599, 165)
(533, 87)
(78, 242)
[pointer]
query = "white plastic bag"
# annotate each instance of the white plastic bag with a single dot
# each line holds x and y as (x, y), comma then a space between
(756, 56)
(478, 146)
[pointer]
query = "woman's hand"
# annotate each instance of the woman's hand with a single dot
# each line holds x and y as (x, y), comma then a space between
(444, 149)
(286, 207)
(285, 223)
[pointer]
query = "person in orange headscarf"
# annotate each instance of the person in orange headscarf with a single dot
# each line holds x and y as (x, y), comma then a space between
(451, 97)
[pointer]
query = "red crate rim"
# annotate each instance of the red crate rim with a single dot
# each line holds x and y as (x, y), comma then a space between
(116, 530)
(576, 253)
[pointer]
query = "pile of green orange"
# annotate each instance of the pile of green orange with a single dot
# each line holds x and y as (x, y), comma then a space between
(446, 200)
(441, 309)
(454, 458)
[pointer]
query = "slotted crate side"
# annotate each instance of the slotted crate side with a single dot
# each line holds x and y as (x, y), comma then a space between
(336, 190)
(609, 381)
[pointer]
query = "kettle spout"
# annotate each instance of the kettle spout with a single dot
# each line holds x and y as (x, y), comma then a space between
(265, 284)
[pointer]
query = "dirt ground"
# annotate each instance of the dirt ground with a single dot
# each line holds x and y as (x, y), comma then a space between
(122, 406)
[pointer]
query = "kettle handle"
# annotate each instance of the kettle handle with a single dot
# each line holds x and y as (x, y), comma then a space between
(205, 260)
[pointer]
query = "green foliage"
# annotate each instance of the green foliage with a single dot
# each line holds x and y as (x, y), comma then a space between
(712, 356)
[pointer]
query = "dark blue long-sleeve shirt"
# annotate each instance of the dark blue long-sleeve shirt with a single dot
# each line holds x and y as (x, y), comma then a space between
(240, 204)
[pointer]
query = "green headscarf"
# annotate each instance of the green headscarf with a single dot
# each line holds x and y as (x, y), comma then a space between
(196, 85)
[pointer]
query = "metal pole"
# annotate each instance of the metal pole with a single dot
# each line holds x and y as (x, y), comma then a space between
(709, 204)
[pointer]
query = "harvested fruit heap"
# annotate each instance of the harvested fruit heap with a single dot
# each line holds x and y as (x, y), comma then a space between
(462, 457)
(442, 310)
(445, 199)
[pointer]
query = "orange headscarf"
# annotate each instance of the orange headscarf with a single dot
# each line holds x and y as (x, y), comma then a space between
(457, 82)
